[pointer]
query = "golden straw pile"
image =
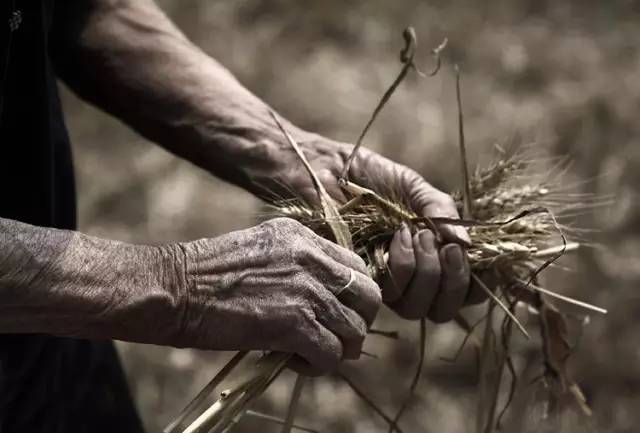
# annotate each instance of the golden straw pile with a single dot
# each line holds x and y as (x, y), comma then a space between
(512, 212)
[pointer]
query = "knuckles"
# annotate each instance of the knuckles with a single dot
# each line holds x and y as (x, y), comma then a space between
(304, 320)
(303, 254)
(444, 200)
(291, 238)
(359, 262)
(284, 229)
(375, 294)
(360, 328)
(310, 292)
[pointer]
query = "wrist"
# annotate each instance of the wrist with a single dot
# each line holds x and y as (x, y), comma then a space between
(256, 155)
(169, 300)
(153, 307)
(123, 292)
(287, 173)
(68, 284)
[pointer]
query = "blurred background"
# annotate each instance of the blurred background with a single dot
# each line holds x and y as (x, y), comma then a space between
(563, 76)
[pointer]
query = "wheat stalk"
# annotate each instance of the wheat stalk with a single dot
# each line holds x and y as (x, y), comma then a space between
(502, 243)
(511, 217)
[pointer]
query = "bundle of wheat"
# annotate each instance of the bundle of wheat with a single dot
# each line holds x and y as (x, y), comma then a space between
(512, 218)
(513, 231)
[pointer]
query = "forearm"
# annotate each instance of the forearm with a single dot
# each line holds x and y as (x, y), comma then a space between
(128, 58)
(68, 284)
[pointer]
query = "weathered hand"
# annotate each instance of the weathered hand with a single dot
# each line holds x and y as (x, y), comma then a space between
(276, 286)
(424, 279)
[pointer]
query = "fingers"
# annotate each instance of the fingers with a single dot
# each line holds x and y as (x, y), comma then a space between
(340, 271)
(345, 274)
(352, 288)
(401, 266)
(342, 255)
(454, 284)
(333, 332)
(346, 324)
(336, 334)
(363, 296)
(343, 298)
(328, 179)
(442, 205)
(424, 284)
(317, 345)
(438, 279)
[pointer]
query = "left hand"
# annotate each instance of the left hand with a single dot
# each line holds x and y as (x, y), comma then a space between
(425, 279)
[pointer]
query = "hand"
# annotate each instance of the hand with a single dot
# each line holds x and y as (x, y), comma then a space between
(276, 286)
(425, 279)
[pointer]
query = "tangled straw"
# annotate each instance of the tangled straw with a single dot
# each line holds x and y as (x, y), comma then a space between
(511, 213)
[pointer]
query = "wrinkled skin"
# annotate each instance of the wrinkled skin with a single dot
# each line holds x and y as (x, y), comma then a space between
(425, 279)
(275, 287)
(207, 117)
(271, 287)
(277, 281)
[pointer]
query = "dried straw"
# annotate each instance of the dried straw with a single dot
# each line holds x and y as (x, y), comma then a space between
(511, 212)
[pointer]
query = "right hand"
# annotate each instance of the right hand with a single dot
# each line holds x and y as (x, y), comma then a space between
(274, 287)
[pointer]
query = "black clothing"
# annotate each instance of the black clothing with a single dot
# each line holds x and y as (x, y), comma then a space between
(47, 384)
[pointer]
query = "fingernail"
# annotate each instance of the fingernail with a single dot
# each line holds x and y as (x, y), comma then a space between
(427, 240)
(461, 233)
(454, 256)
(405, 236)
